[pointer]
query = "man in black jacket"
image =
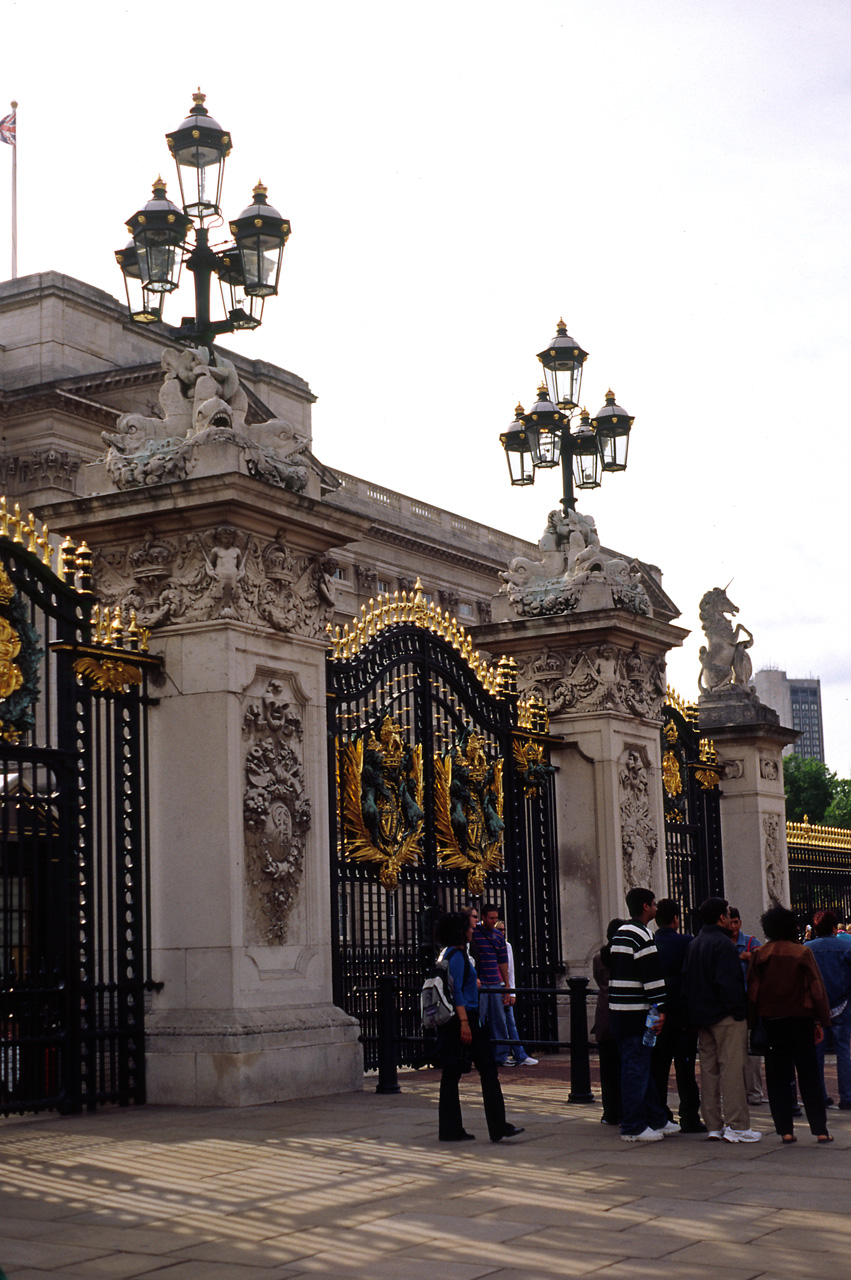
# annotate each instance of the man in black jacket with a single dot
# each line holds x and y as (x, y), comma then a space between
(677, 1041)
(717, 1006)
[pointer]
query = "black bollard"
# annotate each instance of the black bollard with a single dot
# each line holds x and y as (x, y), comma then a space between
(388, 1080)
(580, 1064)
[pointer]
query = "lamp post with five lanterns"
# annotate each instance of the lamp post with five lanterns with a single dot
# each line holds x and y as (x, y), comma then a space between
(164, 235)
(544, 436)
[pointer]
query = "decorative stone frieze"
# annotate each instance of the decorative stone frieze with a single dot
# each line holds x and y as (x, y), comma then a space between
(774, 856)
(598, 677)
(639, 837)
(367, 579)
(733, 769)
(221, 573)
(39, 469)
(276, 811)
(769, 769)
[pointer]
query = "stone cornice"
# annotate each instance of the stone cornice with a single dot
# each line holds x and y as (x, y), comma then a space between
(480, 565)
(19, 405)
(568, 631)
(231, 498)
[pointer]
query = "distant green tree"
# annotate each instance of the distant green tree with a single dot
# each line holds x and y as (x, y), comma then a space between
(838, 812)
(810, 789)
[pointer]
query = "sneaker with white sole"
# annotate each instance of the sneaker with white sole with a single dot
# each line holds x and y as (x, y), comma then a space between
(741, 1135)
(670, 1127)
(648, 1135)
(715, 1135)
(528, 1062)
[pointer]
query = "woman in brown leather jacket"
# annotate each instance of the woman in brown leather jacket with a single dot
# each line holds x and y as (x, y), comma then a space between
(786, 991)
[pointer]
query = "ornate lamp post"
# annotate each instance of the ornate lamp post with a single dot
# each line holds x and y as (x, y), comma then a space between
(545, 436)
(164, 235)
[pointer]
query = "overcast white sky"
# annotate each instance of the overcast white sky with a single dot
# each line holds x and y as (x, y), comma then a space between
(672, 177)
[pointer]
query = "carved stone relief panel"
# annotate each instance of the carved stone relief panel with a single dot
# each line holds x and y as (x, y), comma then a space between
(276, 811)
(40, 469)
(769, 769)
(772, 858)
(219, 573)
(733, 768)
(601, 677)
(639, 837)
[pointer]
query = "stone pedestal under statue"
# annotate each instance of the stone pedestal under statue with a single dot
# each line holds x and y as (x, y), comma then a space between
(749, 740)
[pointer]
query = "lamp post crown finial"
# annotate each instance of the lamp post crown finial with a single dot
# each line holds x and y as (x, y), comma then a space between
(561, 327)
(518, 409)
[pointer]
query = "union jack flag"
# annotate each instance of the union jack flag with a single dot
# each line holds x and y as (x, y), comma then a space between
(7, 128)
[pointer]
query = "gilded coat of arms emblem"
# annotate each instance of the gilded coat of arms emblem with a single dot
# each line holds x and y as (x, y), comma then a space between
(468, 810)
(382, 784)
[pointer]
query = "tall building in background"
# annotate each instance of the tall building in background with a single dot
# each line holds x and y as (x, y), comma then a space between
(798, 703)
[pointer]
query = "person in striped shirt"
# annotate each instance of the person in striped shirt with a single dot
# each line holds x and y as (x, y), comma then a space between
(636, 983)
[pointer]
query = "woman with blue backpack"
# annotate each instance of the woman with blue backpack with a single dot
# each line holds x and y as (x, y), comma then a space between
(462, 1042)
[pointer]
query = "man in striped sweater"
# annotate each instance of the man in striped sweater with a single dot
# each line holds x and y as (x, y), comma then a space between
(636, 983)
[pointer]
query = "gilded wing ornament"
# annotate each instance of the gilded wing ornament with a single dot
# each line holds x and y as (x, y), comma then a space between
(109, 676)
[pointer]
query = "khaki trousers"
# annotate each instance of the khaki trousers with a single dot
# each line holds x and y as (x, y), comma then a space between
(723, 1051)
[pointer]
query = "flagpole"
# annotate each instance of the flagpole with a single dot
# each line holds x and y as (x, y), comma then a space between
(14, 107)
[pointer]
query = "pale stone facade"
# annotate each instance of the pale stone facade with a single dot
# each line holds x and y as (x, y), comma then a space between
(196, 486)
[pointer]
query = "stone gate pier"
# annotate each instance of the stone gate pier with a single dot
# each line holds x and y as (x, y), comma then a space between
(217, 532)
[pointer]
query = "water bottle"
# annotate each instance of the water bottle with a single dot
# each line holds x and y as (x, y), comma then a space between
(649, 1037)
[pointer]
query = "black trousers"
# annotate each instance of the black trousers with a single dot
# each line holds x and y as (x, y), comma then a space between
(791, 1049)
(456, 1057)
(678, 1045)
(610, 1079)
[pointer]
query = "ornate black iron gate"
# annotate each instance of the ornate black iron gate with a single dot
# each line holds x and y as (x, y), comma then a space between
(73, 833)
(690, 777)
(441, 793)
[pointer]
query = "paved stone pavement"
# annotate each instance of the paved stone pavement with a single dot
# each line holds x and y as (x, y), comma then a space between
(358, 1186)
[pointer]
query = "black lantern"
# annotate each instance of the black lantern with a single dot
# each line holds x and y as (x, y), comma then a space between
(515, 442)
(144, 304)
(586, 454)
(544, 425)
(200, 146)
(244, 312)
(612, 425)
(260, 233)
(158, 231)
(563, 360)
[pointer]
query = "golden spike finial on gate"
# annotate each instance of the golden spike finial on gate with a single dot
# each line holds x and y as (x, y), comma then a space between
(15, 522)
(133, 631)
(31, 531)
(4, 518)
(420, 611)
(46, 549)
(67, 565)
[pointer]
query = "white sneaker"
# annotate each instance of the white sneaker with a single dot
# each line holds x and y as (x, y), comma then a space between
(649, 1135)
(741, 1135)
(509, 1062)
(528, 1062)
(670, 1127)
(715, 1135)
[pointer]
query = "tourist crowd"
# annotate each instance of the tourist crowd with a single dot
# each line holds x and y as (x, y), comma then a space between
(722, 999)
